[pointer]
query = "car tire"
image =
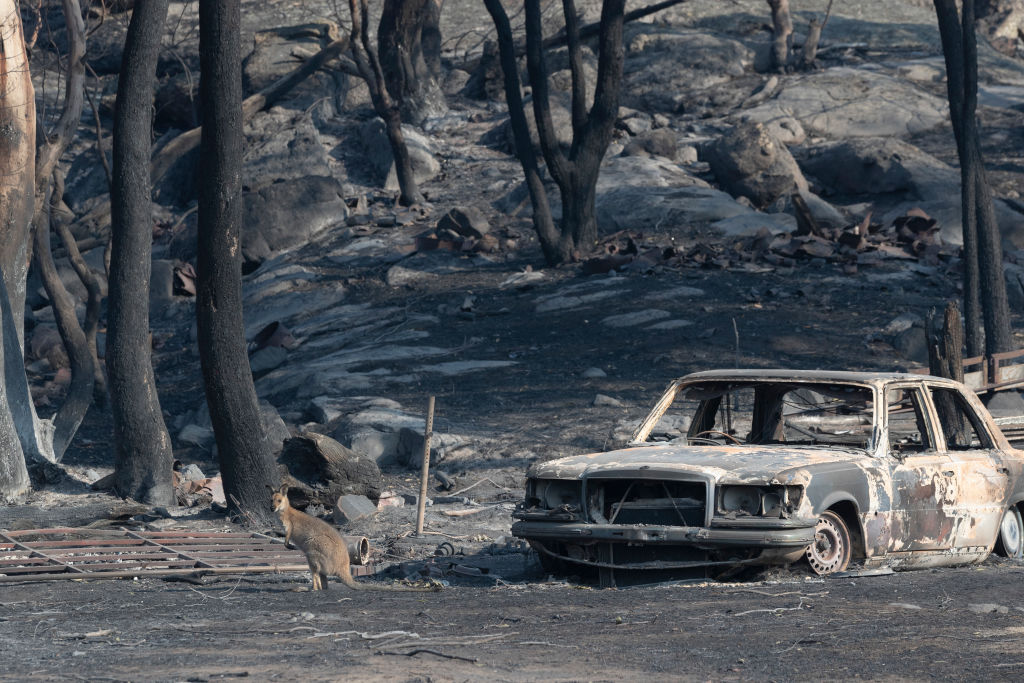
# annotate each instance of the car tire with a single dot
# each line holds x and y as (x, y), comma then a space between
(1010, 542)
(832, 547)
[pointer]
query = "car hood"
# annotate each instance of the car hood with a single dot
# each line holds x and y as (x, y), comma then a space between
(730, 464)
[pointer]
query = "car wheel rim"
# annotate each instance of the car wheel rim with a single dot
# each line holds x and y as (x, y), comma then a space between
(1011, 532)
(826, 554)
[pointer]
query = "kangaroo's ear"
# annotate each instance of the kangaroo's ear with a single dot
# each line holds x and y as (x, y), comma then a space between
(283, 490)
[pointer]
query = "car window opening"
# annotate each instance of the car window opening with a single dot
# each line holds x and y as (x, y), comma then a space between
(769, 413)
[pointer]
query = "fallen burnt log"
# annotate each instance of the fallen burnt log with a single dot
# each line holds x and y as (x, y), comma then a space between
(319, 470)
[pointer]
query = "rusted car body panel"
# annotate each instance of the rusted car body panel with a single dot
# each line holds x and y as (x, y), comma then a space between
(910, 499)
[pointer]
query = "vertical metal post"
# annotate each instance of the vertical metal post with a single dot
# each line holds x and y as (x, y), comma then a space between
(421, 503)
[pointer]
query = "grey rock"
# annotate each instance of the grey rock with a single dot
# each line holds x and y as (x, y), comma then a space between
(410, 446)
(467, 221)
(378, 152)
(751, 162)
(565, 303)
(640, 208)
(1014, 274)
(287, 214)
(823, 212)
(902, 323)
(1006, 404)
(912, 178)
(665, 64)
(593, 373)
(752, 222)
(276, 430)
(282, 293)
(872, 165)
(461, 367)
(635, 318)
(660, 142)
(266, 359)
(352, 508)
(194, 435)
(674, 324)
(687, 154)
(844, 102)
(454, 82)
(273, 56)
(191, 472)
(381, 447)
(282, 144)
(324, 409)
(643, 172)
(637, 125)
(912, 344)
(681, 292)
(603, 400)
(503, 138)
(400, 276)
(367, 251)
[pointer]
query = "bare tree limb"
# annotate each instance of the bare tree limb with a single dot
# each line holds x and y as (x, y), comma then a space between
(48, 151)
(189, 140)
(369, 67)
(92, 287)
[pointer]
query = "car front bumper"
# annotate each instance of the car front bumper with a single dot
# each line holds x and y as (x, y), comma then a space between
(789, 533)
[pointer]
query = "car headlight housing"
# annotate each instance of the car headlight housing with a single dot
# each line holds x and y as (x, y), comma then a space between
(553, 494)
(758, 501)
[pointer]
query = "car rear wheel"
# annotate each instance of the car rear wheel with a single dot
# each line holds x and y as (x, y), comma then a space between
(1010, 542)
(832, 545)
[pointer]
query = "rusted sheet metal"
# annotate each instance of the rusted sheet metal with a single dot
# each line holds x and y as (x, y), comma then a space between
(69, 553)
(931, 488)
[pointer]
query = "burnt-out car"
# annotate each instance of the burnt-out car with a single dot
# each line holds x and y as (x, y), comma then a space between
(759, 467)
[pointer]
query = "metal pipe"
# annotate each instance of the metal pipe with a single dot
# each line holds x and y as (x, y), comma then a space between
(358, 549)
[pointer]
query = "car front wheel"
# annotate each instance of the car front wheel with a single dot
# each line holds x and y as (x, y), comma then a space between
(1011, 534)
(832, 545)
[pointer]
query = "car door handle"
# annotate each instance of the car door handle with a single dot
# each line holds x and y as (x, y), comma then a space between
(948, 473)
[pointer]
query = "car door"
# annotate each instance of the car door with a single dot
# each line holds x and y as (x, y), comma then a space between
(923, 506)
(981, 475)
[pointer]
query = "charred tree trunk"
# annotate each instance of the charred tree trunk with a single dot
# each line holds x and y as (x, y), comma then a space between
(555, 248)
(246, 459)
(17, 163)
(430, 38)
(782, 30)
(946, 343)
(142, 446)
(575, 173)
(409, 43)
(50, 147)
(369, 66)
(985, 300)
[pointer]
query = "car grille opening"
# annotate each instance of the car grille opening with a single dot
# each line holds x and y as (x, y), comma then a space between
(644, 501)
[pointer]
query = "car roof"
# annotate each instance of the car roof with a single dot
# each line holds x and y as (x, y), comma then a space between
(780, 374)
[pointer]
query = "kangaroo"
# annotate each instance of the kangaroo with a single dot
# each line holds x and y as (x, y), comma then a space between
(325, 549)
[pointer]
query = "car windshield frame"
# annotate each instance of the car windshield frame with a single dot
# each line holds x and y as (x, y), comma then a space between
(709, 390)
